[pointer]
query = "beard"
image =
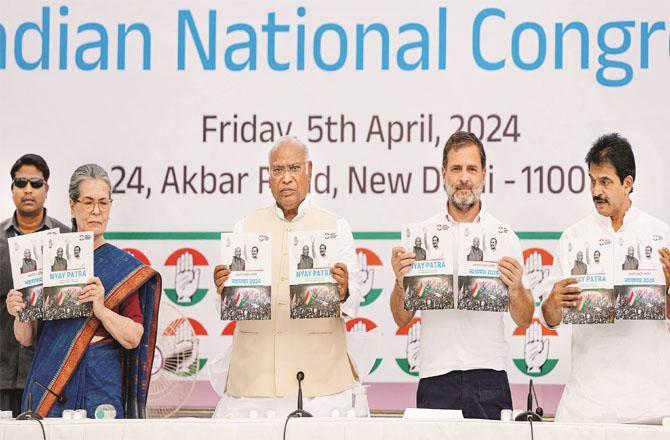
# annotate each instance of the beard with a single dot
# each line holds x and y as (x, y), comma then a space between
(463, 202)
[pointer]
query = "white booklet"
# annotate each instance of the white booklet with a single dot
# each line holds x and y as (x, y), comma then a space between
(590, 260)
(639, 282)
(68, 265)
(430, 283)
(313, 290)
(480, 287)
(247, 292)
(25, 255)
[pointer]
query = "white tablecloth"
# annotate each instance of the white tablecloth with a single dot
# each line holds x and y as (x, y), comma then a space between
(320, 428)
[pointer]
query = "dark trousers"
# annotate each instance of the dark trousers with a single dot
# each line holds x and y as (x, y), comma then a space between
(480, 394)
(11, 399)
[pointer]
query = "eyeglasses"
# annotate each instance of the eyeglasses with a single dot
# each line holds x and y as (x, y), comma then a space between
(293, 169)
(35, 182)
(89, 204)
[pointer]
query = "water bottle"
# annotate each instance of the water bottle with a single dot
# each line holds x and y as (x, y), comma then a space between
(105, 411)
(361, 406)
(506, 415)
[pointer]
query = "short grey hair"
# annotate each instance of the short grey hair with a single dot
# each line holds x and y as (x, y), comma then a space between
(288, 140)
(85, 172)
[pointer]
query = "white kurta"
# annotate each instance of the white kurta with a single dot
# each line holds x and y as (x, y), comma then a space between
(621, 371)
(290, 333)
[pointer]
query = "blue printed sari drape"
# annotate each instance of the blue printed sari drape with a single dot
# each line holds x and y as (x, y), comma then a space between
(62, 351)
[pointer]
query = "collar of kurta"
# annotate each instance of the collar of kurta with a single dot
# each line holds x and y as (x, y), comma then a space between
(629, 216)
(477, 219)
(302, 209)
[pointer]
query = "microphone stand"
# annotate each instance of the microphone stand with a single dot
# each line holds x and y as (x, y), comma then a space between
(29, 414)
(300, 412)
(529, 415)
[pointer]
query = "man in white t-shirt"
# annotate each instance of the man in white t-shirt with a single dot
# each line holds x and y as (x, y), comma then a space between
(435, 251)
(76, 262)
(320, 258)
(492, 254)
(253, 263)
(648, 253)
(597, 265)
(619, 372)
(463, 353)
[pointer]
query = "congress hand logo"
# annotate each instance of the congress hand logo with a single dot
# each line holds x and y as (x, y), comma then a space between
(537, 267)
(180, 347)
(367, 350)
(188, 264)
(413, 347)
(365, 274)
(187, 277)
(535, 361)
(536, 348)
(411, 334)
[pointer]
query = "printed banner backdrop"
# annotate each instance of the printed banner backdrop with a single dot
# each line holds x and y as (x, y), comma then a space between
(197, 300)
(181, 101)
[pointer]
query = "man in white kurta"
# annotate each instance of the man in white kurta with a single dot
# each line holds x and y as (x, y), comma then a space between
(619, 372)
(266, 355)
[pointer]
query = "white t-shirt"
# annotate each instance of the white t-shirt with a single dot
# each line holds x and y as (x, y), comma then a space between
(596, 267)
(435, 254)
(252, 263)
(320, 261)
(619, 371)
(463, 339)
(76, 263)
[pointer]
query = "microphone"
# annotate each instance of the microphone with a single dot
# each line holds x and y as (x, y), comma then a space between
(59, 397)
(300, 412)
(529, 414)
(539, 411)
(29, 414)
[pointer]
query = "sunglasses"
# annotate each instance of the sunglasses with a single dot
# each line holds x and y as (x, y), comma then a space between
(35, 182)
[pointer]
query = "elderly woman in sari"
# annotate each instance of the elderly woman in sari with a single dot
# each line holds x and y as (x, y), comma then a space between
(105, 358)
